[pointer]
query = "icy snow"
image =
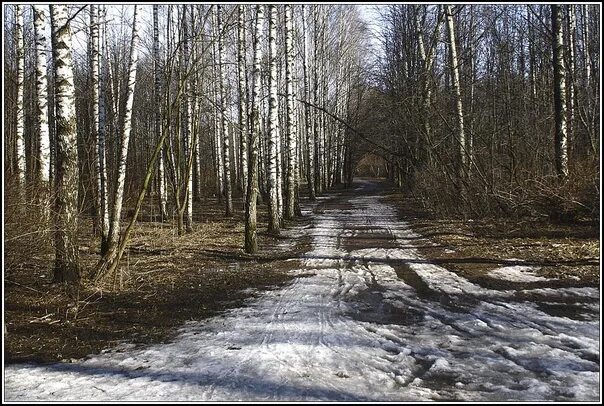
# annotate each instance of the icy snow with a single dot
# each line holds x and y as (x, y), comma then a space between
(348, 328)
(517, 273)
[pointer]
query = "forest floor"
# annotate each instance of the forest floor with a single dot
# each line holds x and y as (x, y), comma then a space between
(516, 307)
(165, 281)
(568, 254)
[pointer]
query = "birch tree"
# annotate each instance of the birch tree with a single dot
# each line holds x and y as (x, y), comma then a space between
(427, 59)
(273, 141)
(243, 96)
(101, 167)
(66, 183)
(20, 126)
(461, 139)
(223, 117)
(560, 107)
(310, 150)
(126, 125)
(251, 237)
(292, 135)
(571, 28)
(94, 120)
(161, 186)
(42, 129)
(187, 123)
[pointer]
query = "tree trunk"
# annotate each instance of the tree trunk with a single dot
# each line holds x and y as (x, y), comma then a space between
(217, 114)
(66, 182)
(292, 135)
(21, 168)
(42, 97)
(315, 100)
(223, 117)
(571, 75)
(251, 240)
(161, 193)
(461, 139)
(273, 140)
(560, 108)
(118, 194)
(94, 114)
(310, 146)
(102, 135)
(187, 126)
(243, 96)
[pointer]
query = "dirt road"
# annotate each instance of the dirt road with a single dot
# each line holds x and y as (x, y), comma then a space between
(365, 319)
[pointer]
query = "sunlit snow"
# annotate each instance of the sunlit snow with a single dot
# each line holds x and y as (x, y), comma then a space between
(374, 324)
(517, 273)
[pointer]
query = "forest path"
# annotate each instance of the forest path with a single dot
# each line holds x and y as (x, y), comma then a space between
(365, 319)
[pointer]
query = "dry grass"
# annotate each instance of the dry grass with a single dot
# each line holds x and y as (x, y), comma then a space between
(163, 281)
(569, 252)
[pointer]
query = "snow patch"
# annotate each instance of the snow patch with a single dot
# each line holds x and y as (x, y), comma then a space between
(518, 273)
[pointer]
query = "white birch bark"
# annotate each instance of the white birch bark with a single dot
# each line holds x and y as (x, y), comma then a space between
(126, 128)
(571, 73)
(560, 107)
(94, 116)
(427, 59)
(251, 237)
(217, 114)
(279, 167)
(461, 139)
(243, 102)
(273, 223)
(292, 135)
(223, 117)
(20, 111)
(66, 183)
(102, 134)
(42, 95)
(187, 126)
(310, 150)
(315, 100)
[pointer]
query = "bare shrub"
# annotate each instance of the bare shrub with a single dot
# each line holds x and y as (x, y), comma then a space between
(28, 228)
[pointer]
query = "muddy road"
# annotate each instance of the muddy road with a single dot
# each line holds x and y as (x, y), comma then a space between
(365, 319)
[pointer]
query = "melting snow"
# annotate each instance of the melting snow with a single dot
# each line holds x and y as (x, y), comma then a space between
(349, 328)
(517, 273)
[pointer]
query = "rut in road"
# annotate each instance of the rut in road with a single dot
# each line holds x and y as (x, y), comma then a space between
(365, 319)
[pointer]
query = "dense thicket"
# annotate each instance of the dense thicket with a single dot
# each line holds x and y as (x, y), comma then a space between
(528, 85)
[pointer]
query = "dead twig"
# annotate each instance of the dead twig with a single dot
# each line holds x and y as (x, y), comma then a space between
(43, 319)
(25, 286)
